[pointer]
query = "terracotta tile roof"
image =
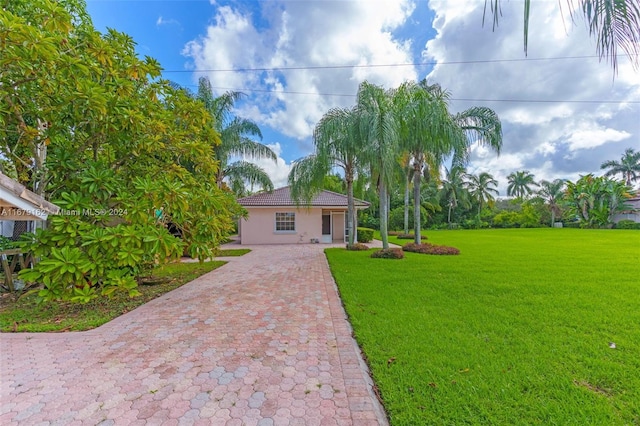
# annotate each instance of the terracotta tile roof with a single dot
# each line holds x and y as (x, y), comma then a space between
(282, 197)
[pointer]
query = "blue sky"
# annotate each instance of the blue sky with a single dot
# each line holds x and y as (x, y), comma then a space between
(562, 111)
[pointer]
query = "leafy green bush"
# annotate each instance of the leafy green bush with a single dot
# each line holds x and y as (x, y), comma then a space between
(82, 260)
(365, 235)
(627, 224)
(6, 243)
(368, 221)
(428, 248)
(357, 247)
(390, 253)
(396, 217)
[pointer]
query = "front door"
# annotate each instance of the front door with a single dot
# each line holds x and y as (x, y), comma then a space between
(326, 228)
(337, 227)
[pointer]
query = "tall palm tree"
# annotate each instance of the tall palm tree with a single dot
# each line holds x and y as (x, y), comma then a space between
(453, 190)
(614, 24)
(628, 166)
(337, 144)
(520, 184)
(481, 188)
(552, 193)
(235, 135)
(406, 170)
(378, 124)
(429, 132)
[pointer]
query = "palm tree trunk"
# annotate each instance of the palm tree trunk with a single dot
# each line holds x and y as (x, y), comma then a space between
(350, 209)
(384, 215)
(406, 204)
(417, 177)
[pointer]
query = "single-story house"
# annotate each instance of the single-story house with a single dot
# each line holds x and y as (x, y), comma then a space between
(21, 209)
(275, 218)
(632, 213)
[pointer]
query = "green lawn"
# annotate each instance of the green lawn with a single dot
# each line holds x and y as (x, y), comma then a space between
(514, 330)
(26, 314)
(232, 252)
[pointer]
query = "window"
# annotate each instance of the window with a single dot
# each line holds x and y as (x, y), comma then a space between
(285, 222)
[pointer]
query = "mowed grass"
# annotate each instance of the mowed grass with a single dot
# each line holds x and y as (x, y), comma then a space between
(515, 330)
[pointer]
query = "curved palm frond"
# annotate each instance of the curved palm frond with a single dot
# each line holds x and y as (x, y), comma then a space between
(615, 24)
(244, 147)
(628, 166)
(306, 177)
(244, 171)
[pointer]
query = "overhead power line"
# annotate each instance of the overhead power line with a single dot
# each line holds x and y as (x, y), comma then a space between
(415, 64)
(549, 101)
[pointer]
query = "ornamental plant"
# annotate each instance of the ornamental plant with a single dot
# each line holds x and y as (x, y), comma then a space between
(428, 248)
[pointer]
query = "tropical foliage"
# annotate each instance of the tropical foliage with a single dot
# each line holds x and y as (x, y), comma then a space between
(628, 166)
(594, 200)
(88, 124)
(235, 141)
(520, 183)
(482, 187)
(615, 24)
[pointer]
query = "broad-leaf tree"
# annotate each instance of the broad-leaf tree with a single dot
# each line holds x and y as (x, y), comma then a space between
(86, 123)
(628, 166)
(594, 200)
(520, 183)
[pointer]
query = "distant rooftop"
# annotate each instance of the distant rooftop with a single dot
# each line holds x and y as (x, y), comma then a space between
(282, 197)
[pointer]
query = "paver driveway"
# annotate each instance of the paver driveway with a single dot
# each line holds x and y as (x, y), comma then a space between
(262, 340)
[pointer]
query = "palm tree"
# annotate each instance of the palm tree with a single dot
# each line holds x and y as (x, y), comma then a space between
(235, 135)
(520, 184)
(378, 125)
(454, 191)
(614, 24)
(481, 188)
(552, 193)
(406, 169)
(628, 166)
(429, 132)
(337, 144)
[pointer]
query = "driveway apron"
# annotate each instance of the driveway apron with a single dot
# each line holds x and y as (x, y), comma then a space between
(263, 340)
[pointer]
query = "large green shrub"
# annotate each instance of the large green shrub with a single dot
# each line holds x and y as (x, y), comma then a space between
(627, 224)
(365, 235)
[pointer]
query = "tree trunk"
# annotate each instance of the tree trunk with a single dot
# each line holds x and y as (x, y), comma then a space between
(417, 177)
(350, 208)
(383, 215)
(406, 204)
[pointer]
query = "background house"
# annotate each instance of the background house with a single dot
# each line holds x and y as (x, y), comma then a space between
(632, 213)
(274, 218)
(20, 209)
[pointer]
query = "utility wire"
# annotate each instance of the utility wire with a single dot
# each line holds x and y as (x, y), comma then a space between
(415, 64)
(608, 101)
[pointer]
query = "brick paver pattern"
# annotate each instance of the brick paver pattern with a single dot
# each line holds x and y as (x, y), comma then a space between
(263, 340)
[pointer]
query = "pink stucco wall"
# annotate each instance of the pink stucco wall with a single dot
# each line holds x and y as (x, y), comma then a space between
(259, 228)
